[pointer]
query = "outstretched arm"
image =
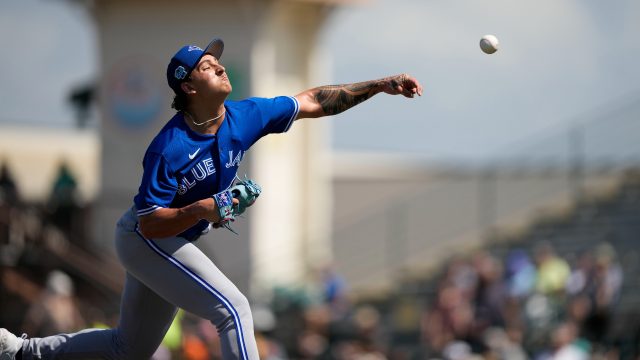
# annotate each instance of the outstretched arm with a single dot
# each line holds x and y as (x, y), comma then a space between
(334, 99)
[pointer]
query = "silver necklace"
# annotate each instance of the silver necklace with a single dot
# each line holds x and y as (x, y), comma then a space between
(206, 121)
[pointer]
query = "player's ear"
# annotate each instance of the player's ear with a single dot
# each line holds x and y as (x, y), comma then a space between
(187, 87)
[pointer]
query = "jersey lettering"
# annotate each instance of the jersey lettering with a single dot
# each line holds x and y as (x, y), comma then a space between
(236, 160)
(208, 164)
(199, 175)
(201, 171)
(187, 183)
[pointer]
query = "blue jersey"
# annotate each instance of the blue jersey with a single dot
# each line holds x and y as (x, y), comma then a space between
(182, 166)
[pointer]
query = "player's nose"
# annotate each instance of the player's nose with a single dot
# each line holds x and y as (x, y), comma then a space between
(220, 70)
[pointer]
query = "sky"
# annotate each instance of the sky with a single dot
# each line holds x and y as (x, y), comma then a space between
(559, 63)
(48, 49)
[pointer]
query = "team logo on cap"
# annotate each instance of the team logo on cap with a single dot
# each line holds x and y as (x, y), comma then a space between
(193, 47)
(180, 73)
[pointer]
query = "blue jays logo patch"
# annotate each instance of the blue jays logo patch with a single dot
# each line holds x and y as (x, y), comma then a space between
(180, 72)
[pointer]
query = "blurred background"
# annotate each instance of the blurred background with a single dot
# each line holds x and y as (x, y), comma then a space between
(496, 217)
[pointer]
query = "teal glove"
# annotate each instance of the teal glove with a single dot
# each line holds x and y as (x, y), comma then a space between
(246, 191)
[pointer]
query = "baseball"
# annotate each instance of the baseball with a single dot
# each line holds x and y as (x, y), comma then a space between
(489, 44)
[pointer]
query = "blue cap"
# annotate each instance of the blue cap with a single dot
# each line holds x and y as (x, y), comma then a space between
(183, 62)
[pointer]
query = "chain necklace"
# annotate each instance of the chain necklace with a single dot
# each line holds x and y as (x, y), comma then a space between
(206, 121)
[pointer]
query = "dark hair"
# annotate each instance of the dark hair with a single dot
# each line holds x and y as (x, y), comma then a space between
(179, 102)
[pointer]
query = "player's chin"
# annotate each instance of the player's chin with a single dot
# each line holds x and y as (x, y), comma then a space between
(226, 87)
(222, 91)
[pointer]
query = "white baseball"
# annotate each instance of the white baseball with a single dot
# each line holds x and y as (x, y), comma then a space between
(489, 44)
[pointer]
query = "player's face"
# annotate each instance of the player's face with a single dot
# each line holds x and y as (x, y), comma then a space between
(209, 77)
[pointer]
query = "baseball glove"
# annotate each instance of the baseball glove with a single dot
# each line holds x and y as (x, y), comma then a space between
(246, 191)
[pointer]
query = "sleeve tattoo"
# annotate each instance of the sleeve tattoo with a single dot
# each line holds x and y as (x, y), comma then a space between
(335, 99)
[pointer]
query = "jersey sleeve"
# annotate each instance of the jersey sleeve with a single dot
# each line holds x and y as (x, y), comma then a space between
(276, 115)
(158, 186)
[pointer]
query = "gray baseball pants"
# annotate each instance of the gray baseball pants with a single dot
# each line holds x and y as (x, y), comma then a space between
(162, 275)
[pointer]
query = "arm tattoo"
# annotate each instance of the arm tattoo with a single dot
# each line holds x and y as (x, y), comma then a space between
(335, 99)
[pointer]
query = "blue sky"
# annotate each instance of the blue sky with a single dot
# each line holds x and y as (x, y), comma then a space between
(558, 61)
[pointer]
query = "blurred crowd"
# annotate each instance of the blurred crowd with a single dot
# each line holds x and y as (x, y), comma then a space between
(539, 306)
(521, 305)
(524, 305)
(62, 208)
(35, 296)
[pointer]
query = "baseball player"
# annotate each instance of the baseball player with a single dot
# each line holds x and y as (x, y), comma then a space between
(189, 168)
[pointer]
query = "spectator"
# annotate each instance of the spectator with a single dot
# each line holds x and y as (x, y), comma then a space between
(565, 345)
(209, 334)
(502, 346)
(193, 347)
(608, 276)
(11, 246)
(63, 204)
(55, 311)
(607, 281)
(313, 342)
(8, 189)
(332, 290)
(520, 274)
(264, 322)
(173, 338)
(369, 332)
(553, 271)
(490, 295)
(581, 277)
(458, 350)
(579, 309)
(334, 286)
(452, 318)
(463, 276)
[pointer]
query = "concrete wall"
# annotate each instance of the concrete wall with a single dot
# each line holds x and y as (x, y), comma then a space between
(33, 155)
(395, 217)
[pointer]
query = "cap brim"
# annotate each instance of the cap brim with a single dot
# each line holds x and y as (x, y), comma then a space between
(215, 48)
